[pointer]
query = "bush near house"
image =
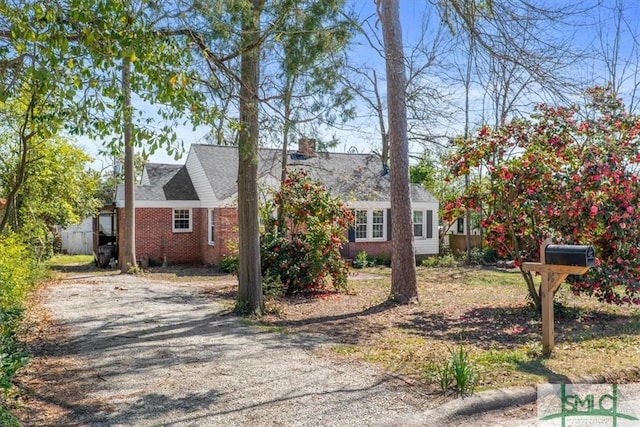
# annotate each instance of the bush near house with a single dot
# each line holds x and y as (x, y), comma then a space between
(302, 248)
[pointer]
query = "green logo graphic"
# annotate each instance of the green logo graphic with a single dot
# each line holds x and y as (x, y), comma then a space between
(593, 404)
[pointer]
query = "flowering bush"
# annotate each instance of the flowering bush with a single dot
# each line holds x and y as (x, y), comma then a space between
(303, 249)
(564, 173)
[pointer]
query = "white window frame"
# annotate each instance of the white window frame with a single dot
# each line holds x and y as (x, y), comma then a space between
(190, 219)
(382, 225)
(358, 224)
(370, 225)
(211, 230)
(422, 224)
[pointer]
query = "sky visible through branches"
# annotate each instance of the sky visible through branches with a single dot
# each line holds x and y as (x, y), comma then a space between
(592, 33)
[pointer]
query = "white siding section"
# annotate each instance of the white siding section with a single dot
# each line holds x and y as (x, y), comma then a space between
(144, 180)
(424, 245)
(200, 181)
(78, 238)
(427, 246)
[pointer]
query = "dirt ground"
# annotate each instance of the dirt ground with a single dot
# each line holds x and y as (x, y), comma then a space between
(163, 349)
(359, 335)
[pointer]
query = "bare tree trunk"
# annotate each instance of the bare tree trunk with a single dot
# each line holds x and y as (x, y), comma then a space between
(383, 131)
(285, 147)
(249, 272)
(129, 258)
(404, 287)
(11, 209)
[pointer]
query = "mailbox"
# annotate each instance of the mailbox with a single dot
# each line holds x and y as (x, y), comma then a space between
(578, 255)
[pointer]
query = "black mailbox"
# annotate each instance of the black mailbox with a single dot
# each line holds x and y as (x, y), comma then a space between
(578, 255)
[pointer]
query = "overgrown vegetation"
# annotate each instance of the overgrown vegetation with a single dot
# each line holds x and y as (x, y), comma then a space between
(18, 273)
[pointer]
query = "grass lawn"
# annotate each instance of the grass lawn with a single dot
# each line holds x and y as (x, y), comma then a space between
(484, 311)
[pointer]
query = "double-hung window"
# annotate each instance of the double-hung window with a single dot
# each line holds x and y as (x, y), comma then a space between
(370, 224)
(361, 224)
(418, 223)
(182, 220)
(377, 224)
(423, 224)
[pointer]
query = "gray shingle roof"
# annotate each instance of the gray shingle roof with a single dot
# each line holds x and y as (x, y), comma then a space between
(166, 182)
(348, 176)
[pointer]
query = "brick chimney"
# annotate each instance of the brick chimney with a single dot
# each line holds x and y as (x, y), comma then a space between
(307, 147)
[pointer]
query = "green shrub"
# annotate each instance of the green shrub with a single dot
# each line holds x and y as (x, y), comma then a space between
(383, 260)
(361, 260)
(229, 264)
(490, 256)
(444, 261)
(272, 286)
(12, 353)
(17, 271)
(477, 256)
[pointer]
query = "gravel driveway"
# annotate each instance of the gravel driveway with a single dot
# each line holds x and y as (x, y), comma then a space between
(155, 352)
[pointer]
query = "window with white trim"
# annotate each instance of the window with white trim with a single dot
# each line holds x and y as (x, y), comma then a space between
(377, 224)
(370, 224)
(212, 229)
(182, 220)
(361, 224)
(418, 224)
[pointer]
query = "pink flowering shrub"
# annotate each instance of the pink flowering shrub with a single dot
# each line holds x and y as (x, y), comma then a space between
(303, 251)
(565, 173)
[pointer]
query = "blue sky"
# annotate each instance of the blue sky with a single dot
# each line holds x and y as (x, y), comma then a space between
(586, 31)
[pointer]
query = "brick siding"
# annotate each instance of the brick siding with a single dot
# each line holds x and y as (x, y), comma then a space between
(155, 238)
(225, 221)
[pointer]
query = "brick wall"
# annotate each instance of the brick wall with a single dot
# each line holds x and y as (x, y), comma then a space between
(351, 249)
(225, 222)
(155, 237)
(156, 240)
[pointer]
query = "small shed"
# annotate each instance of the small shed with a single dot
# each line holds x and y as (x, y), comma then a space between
(77, 239)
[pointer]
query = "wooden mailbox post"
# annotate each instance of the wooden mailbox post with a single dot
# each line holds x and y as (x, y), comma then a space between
(567, 260)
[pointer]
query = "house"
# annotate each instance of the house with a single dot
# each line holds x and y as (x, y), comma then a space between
(187, 213)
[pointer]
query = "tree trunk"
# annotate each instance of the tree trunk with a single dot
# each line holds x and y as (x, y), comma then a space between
(534, 294)
(286, 128)
(129, 257)
(11, 210)
(383, 130)
(249, 272)
(404, 287)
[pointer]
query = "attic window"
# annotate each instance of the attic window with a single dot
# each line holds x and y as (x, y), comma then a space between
(182, 220)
